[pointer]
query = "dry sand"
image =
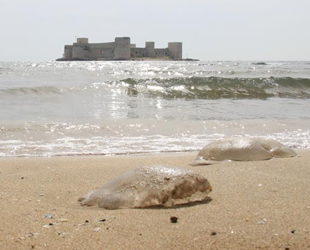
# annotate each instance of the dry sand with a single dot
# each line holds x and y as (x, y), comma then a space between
(255, 205)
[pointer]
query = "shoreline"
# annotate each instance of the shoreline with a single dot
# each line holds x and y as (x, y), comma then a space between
(138, 59)
(259, 204)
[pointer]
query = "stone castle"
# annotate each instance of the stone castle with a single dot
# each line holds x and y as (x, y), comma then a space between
(120, 49)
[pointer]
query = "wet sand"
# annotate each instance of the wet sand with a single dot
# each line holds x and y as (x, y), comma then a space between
(253, 205)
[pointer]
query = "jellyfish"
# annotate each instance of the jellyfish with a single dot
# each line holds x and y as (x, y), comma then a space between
(242, 149)
(150, 186)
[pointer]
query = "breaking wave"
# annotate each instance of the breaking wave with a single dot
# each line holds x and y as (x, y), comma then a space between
(186, 88)
(40, 90)
(230, 88)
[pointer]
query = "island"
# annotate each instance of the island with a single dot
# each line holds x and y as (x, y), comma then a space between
(120, 49)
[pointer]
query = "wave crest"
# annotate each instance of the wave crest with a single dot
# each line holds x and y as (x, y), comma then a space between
(40, 90)
(186, 88)
(230, 88)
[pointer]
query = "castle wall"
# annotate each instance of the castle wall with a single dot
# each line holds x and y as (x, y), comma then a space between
(101, 51)
(80, 51)
(143, 52)
(137, 52)
(161, 52)
(122, 48)
(175, 50)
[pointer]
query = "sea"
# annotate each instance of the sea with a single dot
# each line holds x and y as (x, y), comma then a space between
(80, 108)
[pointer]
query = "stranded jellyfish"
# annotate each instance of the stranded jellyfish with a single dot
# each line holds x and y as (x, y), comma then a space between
(150, 186)
(242, 149)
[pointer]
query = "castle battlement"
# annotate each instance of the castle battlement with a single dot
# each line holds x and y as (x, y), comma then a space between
(120, 49)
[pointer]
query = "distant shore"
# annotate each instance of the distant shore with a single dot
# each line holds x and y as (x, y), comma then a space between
(132, 59)
(253, 205)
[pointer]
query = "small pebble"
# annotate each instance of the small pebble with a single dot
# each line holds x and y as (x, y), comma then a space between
(61, 234)
(213, 233)
(263, 221)
(48, 216)
(97, 229)
(86, 221)
(103, 220)
(173, 219)
(293, 231)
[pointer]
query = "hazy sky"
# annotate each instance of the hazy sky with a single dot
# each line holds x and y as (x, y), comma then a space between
(36, 30)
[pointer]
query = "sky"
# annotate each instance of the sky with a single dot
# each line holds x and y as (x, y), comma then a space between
(258, 30)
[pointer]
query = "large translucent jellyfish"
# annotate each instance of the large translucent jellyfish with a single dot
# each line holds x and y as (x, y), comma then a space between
(242, 149)
(150, 186)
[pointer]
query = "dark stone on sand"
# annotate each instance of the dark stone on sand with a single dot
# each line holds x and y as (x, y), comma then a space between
(213, 233)
(86, 221)
(173, 219)
(293, 231)
(103, 220)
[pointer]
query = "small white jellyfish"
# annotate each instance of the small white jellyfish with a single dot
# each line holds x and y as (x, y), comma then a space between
(150, 186)
(242, 149)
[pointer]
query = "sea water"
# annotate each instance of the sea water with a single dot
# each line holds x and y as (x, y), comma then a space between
(127, 107)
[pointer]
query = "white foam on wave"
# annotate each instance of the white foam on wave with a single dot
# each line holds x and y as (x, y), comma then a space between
(114, 145)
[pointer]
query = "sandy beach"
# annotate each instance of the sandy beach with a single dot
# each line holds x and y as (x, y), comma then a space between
(253, 205)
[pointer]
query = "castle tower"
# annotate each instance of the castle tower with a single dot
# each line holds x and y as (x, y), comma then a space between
(150, 49)
(175, 50)
(80, 49)
(68, 52)
(82, 40)
(122, 48)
